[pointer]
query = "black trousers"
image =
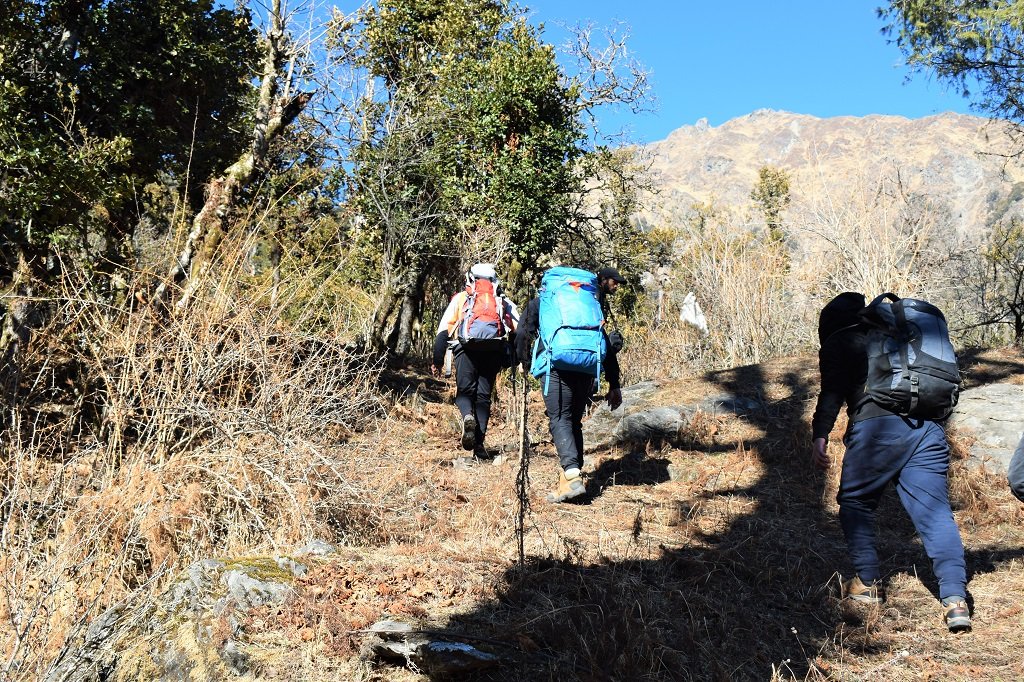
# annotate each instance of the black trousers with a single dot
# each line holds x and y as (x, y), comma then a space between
(475, 372)
(565, 403)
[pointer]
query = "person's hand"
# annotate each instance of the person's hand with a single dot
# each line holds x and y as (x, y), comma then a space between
(435, 370)
(526, 362)
(819, 454)
(614, 398)
(616, 340)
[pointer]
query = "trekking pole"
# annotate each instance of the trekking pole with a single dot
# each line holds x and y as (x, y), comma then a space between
(523, 477)
(511, 409)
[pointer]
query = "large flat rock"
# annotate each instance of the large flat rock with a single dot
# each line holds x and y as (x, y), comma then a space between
(647, 415)
(994, 414)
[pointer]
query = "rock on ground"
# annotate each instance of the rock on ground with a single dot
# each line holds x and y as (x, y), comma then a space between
(994, 414)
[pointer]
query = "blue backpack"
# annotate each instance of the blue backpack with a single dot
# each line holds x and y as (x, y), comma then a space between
(571, 325)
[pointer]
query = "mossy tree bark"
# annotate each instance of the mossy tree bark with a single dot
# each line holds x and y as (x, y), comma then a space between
(275, 111)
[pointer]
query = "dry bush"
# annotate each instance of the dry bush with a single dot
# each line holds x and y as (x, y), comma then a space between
(762, 297)
(666, 351)
(872, 235)
(139, 440)
(750, 310)
(744, 284)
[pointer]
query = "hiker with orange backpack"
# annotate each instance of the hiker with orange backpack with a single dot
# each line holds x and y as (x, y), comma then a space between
(478, 326)
(570, 355)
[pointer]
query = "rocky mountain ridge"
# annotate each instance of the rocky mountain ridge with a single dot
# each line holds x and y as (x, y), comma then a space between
(959, 161)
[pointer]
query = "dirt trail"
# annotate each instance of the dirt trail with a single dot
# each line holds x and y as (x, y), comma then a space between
(712, 559)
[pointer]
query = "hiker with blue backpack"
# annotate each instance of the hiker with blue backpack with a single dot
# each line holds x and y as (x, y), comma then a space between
(562, 341)
(478, 326)
(892, 364)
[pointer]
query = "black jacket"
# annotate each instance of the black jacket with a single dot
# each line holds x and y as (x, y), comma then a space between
(843, 362)
(529, 327)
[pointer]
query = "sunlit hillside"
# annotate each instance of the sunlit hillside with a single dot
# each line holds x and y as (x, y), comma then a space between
(958, 162)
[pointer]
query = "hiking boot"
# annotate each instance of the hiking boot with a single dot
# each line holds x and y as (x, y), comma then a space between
(567, 488)
(855, 590)
(468, 432)
(958, 615)
(481, 453)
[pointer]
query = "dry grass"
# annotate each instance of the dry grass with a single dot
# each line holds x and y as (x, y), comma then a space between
(136, 442)
(717, 558)
(747, 286)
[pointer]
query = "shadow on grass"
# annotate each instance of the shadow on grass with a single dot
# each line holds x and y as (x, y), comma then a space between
(728, 605)
(978, 367)
(756, 600)
(629, 469)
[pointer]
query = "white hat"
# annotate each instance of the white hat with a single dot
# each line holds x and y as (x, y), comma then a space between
(484, 271)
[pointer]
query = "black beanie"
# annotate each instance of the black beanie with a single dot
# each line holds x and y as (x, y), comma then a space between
(840, 312)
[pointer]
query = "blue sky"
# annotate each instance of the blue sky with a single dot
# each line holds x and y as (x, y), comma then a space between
(723, 60)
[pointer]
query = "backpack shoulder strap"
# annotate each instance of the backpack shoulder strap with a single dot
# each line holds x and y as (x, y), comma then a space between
(869, 313)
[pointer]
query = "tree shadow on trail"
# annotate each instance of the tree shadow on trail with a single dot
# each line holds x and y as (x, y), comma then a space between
(630, 470)
(978, 367)
(733, 581)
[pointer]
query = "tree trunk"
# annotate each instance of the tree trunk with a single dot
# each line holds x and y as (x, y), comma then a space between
(15, 317)
(275, 264)
(379, 337)
(401, 338)
(273, 116)
(70, 16)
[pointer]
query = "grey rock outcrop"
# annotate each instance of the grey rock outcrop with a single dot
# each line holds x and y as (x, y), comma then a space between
(192, 630)
(88, 662)
(186, 594)
(247, 591)
(438, 657)
(315, 548)
(994, 415)
(646, 415)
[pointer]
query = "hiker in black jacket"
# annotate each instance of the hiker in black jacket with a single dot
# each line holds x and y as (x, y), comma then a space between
(565, 403)
(882, 447)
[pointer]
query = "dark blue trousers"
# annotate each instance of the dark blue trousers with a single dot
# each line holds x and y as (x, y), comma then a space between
(913, 455)
(566, 403)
